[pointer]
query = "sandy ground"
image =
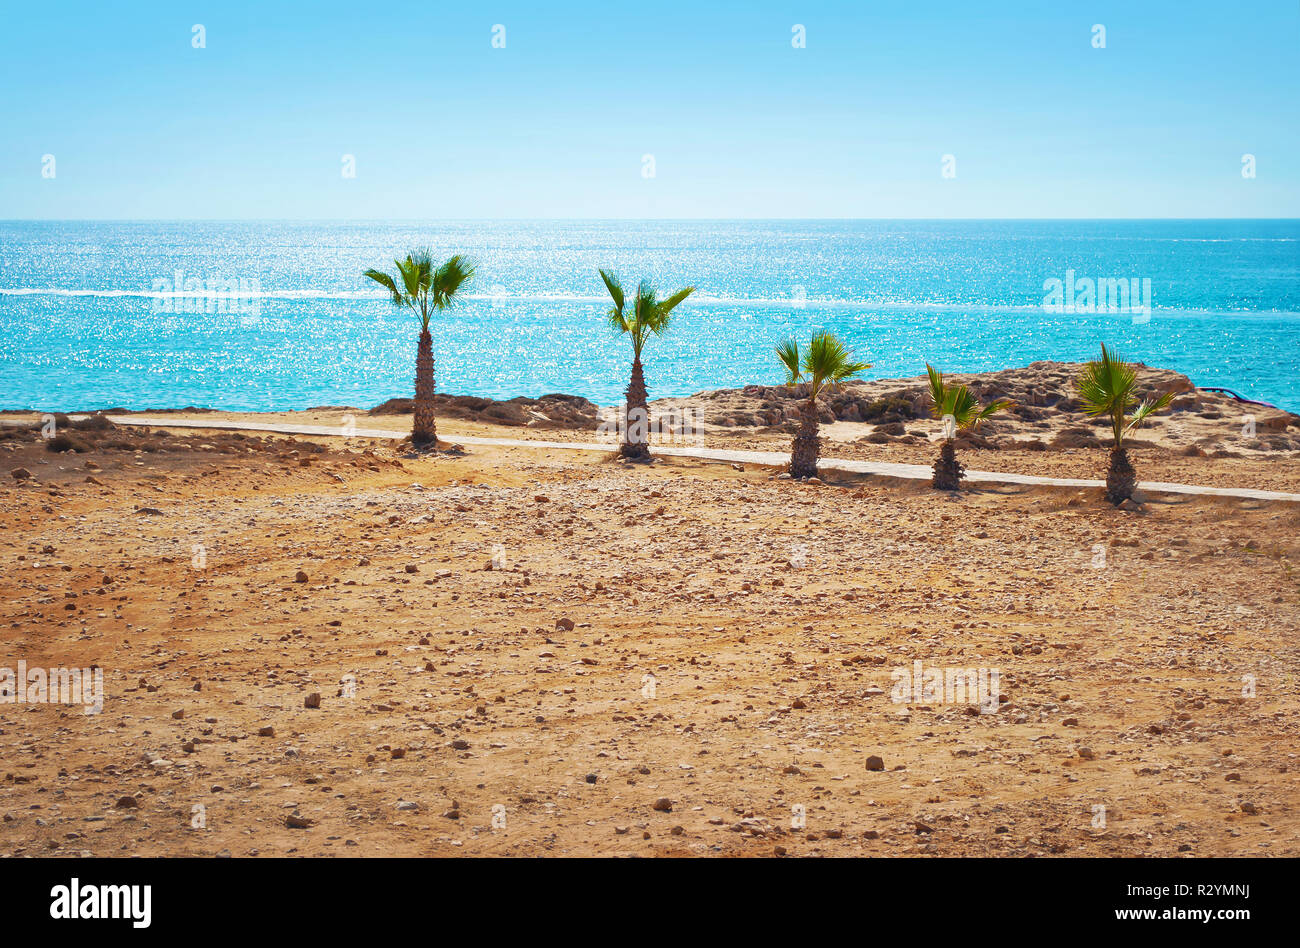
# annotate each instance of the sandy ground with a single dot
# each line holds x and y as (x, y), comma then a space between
(1148, 661)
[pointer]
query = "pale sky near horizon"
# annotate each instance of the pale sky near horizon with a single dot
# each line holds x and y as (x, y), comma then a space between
(740, 122)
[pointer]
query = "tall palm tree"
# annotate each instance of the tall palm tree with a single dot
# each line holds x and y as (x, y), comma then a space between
(649, 316)
(957, 402)
(823, 367)
(1109, 387)
(424, 290)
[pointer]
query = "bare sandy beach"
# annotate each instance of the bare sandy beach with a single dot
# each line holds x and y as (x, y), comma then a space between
(319, 646)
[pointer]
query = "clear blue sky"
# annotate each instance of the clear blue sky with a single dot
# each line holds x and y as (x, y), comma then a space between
(740, 123)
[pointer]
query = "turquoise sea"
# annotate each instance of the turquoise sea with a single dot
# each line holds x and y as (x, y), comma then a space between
(277, 315)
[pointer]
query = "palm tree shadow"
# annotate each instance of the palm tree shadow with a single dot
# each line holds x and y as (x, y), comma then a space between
(1166, 500)
(981, 488)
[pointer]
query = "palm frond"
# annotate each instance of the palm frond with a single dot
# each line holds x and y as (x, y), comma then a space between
(938, 394)
(644, 318)
(447, 280)
(963, 407)
(668, 305)
(643, 304)
(958, 401)
(386, 281)
(992, 408)
(1108, 387)
(827, 363)
(614, 287)
(788, 353)
(649, 315)
(846, 371)
(1148, 408)
(617, 321)
(410, 272)
(423, 267)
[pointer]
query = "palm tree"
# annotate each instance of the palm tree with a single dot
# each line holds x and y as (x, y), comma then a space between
(823, 367)
(1109, 387)
(956, 402)
(650, 315)
(424, 289)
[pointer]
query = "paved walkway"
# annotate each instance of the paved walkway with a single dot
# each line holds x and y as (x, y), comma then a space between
(773, 458)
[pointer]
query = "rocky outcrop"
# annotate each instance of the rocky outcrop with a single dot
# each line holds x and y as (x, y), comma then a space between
(1046, 413)
(549, 411)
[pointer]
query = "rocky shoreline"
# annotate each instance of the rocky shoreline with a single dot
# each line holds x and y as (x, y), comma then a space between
(1046, 414)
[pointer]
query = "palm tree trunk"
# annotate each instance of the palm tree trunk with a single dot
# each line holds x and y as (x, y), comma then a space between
(803, 455)
(636, 432)
(948, 471)
(423, 430)
(1121, 479)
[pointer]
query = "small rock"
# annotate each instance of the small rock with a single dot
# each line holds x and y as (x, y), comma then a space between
(312, 700)
(875, 763)
(664, 805)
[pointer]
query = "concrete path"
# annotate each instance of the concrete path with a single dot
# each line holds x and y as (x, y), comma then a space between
(772, 458)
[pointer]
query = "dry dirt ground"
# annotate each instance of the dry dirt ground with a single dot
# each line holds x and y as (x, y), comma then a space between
(482, 629)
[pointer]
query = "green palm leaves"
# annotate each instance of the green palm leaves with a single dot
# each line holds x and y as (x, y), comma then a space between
(1109, 387)
(822, 366)
(819, 368)
(423, 288)
(615, 289)
(955, 402)
(958, 402)
(649, 314)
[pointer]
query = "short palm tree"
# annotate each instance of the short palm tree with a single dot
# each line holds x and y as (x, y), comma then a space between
(424, 289)
(649, 316)
(822, 367)
(1109, 387)
(955, 402)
